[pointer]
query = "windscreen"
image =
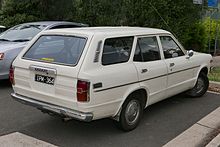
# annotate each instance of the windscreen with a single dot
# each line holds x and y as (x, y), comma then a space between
(57, 49)
(19, 33)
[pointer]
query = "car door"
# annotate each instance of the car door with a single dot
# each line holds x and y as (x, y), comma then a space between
(152, 71)
(180, 67)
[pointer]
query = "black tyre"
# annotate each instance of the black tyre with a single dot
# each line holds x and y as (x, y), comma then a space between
(131, 114)
(201, 86)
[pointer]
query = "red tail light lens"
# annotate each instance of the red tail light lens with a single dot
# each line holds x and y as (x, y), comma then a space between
(11, 75)
(83, 91)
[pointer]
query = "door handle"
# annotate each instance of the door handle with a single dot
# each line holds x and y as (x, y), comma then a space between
(144, 70)
(172, 64)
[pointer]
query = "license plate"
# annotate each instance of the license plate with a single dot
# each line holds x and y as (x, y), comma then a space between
(44, 79)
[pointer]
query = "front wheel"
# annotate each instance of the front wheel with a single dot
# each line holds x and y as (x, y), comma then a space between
(131, 114)
(201, 86)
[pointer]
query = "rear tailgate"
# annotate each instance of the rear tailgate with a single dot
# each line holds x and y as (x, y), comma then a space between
(62, 92)
(53, 82)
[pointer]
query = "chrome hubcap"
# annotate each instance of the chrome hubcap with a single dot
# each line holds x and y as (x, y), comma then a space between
(200, 85)
(132, 112)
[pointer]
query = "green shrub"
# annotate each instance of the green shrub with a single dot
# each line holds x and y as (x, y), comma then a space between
(196, 37)
(214, 75)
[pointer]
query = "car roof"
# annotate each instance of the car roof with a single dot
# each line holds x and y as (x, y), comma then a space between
(49, 23)
(111, 31)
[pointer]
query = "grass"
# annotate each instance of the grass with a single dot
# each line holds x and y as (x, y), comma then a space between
(214, 74)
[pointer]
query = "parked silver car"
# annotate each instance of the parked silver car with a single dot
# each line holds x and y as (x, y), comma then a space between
(16, 38)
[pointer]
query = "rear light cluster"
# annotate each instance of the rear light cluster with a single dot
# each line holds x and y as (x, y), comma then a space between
(83, 91)
(11, 75)
(2, 56)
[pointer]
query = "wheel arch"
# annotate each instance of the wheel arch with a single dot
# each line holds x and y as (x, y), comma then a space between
(202, 69)
(144, 92)
(198, 92)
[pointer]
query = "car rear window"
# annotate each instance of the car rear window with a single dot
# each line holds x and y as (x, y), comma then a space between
(57, 49)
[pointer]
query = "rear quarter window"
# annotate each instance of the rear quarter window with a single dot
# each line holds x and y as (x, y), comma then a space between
(57, 49)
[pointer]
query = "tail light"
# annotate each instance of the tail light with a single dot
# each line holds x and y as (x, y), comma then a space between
(11, 75)
(2, 56)
(83, 91)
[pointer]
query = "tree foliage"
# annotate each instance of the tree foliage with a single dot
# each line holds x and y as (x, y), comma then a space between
(197, 37)
(212, 28)
(19, 11)
(176, 16)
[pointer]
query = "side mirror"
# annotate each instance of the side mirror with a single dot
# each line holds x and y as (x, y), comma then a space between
(190, 53)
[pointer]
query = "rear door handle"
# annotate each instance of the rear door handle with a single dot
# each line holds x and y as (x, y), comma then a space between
(144, 70)
(172, 64)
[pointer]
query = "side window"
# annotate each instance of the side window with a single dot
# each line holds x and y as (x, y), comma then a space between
(117, 50)
(170, 48)
(147, 49)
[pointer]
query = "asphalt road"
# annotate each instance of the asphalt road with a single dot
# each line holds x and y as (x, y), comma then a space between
(161, 123)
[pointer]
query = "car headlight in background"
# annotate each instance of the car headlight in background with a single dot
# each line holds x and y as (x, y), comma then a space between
(1, 56)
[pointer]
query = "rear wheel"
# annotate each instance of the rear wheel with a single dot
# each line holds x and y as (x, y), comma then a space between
(131, 113)
(201, 86)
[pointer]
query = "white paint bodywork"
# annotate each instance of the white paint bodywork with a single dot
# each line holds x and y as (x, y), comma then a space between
(118, 80)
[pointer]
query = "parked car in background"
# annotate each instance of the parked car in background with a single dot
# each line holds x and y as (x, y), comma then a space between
(116, 72)
(2, 28)
(16, 38)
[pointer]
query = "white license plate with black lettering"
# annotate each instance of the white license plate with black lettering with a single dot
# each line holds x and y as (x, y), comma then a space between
(44, 79)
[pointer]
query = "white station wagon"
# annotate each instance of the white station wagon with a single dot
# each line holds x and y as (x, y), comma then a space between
(98, 72)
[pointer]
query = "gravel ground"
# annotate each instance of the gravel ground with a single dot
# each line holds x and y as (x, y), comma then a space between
(216, 61)
(215, 87)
